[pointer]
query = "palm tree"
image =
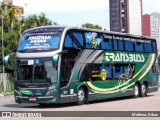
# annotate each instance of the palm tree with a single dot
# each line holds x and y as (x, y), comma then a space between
(11, 29)
(6, 11)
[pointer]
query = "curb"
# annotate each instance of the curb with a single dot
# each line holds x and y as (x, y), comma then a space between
(3, 95)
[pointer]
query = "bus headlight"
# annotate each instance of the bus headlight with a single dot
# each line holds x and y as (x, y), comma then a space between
(17, 93)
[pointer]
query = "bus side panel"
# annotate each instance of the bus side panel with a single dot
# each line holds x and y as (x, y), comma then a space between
(69, 93)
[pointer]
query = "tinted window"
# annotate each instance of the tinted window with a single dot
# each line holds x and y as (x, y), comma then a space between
(128, 71)
(148, 47)
(117, 71)
(74, 40)
(39, 70)
(123, 71)
(128, 45)
(120, 44)
(68, 41)
(79, 37)
(139, 47)
(115, 43)
(107, 43)
(154, 46)
(98, 72)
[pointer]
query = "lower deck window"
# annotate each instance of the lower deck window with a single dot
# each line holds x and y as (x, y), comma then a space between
(98, 72)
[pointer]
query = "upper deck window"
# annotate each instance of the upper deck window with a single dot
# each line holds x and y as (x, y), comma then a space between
(148, 46)
(154, 46)
(74, 39)
(121, 44)
(107, 42)
(39, 42)
(128, 44)
(139, 46)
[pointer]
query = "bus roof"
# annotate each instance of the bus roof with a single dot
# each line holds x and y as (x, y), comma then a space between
(61, 28)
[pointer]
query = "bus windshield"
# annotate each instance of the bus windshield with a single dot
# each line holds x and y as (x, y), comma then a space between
(36, 71)
(39, 42)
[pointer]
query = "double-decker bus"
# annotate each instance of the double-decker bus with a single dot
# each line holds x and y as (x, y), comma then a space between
(56, 64)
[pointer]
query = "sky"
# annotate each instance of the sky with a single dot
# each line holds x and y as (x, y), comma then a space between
(77, 12)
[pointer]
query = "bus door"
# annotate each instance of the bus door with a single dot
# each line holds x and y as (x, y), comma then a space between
(66, 68)
(67, 64)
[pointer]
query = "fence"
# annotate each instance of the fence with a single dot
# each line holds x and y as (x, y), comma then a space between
(8, 85)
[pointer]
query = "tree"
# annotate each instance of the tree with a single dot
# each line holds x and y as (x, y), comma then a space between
(11, 35)
(12, 30)
(89, 25)
(98, 27)
(35, 21)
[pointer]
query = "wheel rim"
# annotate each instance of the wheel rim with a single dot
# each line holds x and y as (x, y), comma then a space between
(143, 89)
(81, 95)
(136, 90)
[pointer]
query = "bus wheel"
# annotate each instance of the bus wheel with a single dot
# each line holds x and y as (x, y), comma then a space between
(144, 90)
(136, 90)
(81, 96)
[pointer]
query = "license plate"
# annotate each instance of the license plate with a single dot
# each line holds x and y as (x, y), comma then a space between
(32, 99)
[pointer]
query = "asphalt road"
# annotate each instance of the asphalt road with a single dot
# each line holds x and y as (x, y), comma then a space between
(150, 103)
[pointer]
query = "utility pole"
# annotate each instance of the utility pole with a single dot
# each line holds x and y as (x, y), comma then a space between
(4, 86)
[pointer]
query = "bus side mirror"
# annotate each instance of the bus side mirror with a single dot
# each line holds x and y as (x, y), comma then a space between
(55, 58)
(6, 59)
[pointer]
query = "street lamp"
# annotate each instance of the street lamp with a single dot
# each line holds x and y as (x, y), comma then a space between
(3, 57)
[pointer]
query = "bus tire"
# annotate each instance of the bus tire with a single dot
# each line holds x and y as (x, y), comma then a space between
(136, 90)
(144, 90)
(81, 96)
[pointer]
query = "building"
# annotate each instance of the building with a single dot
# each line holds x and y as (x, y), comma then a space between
(18, 12)
(146, 25)
(126, 16)
(151, 26)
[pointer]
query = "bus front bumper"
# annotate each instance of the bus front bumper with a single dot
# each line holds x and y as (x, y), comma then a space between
(35, 99)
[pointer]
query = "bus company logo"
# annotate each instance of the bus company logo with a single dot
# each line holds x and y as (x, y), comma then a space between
(92, 39)
(103, 74)
(21, 114)
(100, 74)
(120, 57)
(6, 114)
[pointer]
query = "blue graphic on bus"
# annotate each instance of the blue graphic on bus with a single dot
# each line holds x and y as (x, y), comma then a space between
(93, 39)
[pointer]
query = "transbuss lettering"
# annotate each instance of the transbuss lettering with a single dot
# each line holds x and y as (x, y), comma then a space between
(124, 57)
